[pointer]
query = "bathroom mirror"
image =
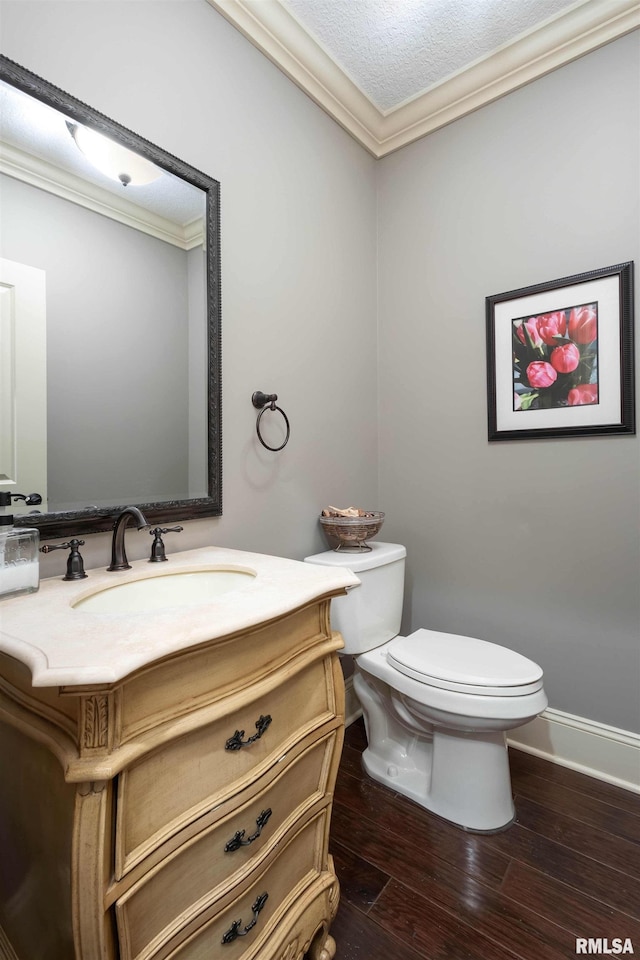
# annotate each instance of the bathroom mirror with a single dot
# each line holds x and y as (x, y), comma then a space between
(110, 379)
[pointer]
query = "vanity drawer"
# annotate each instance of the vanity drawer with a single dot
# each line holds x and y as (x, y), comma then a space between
(172, 688)
(172, 786)
(189, 880)
(292, 872)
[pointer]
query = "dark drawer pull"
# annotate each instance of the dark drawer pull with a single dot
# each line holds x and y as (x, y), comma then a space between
(237, 840)
(234, 930)
(237, 743)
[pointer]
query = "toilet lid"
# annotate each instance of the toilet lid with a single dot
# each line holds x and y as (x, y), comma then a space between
(464, 663)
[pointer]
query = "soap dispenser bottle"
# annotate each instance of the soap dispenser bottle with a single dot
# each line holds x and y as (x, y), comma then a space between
(19, 567)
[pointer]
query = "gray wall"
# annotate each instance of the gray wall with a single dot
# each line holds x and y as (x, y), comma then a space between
(117, 426)
(298, 247)
(534, 544)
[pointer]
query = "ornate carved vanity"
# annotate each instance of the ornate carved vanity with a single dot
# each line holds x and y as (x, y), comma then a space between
(166, 778)
(181, 811)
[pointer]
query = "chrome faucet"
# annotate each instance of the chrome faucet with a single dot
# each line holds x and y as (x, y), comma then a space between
(118, 555)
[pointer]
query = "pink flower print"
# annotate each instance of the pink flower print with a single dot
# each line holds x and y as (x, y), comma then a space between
(541, 374)
(583, 394)
(552, 325)
(583, 324)
(566, 358)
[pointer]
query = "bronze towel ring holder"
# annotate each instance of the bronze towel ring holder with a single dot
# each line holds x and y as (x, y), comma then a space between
(267, 401)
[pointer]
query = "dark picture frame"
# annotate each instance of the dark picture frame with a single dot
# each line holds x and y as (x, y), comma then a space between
(560, 357)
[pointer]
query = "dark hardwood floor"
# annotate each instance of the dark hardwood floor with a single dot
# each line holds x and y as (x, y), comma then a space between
(416, 888)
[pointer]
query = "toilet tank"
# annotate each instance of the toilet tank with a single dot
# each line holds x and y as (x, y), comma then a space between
(370, 614)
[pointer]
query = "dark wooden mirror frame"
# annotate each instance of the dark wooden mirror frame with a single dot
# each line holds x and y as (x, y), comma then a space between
(92, 519)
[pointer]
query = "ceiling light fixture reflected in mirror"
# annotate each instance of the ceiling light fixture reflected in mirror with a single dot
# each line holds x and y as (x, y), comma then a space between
(112, 159)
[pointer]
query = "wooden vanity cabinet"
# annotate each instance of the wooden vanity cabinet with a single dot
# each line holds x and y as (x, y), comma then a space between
(180, 814)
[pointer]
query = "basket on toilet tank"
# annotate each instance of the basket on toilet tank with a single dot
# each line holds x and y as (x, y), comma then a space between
(352, 532)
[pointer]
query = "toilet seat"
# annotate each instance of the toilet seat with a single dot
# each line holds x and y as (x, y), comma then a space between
(463, 664)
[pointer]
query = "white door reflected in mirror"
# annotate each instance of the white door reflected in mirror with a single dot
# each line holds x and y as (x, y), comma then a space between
(23, 380)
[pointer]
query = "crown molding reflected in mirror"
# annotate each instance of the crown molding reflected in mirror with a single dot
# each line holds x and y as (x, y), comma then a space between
(90, 514)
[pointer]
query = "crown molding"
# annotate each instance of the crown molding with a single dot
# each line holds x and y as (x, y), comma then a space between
(276, 33)
(46, 176)
(578, 30)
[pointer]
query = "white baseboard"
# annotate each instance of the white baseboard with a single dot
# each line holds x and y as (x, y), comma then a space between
(587, 746)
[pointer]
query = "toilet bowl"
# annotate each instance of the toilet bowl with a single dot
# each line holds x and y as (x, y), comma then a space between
(436, 705)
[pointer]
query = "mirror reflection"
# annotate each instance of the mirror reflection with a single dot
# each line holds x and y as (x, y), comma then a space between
(109, 316)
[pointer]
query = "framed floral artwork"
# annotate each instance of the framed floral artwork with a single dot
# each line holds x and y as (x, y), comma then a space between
(560, 357)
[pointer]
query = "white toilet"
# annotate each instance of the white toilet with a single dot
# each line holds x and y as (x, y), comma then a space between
(436, 705)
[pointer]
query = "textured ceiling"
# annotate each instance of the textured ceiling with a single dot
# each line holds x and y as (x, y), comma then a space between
(392, 71)
(395, 49)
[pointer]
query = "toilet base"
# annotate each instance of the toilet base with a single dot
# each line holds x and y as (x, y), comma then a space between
(478, 806)
(460, 775)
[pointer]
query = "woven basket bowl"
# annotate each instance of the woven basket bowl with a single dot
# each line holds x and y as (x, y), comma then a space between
(351, 533)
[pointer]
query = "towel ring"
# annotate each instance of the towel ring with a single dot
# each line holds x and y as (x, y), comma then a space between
(264, 402)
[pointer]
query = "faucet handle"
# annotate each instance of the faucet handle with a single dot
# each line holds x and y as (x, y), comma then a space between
(157, 547)
(75, 563)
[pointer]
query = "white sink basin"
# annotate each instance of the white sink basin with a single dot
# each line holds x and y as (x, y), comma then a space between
(178, 589)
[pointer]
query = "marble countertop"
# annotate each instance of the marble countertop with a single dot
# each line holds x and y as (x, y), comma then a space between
(62, 645)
